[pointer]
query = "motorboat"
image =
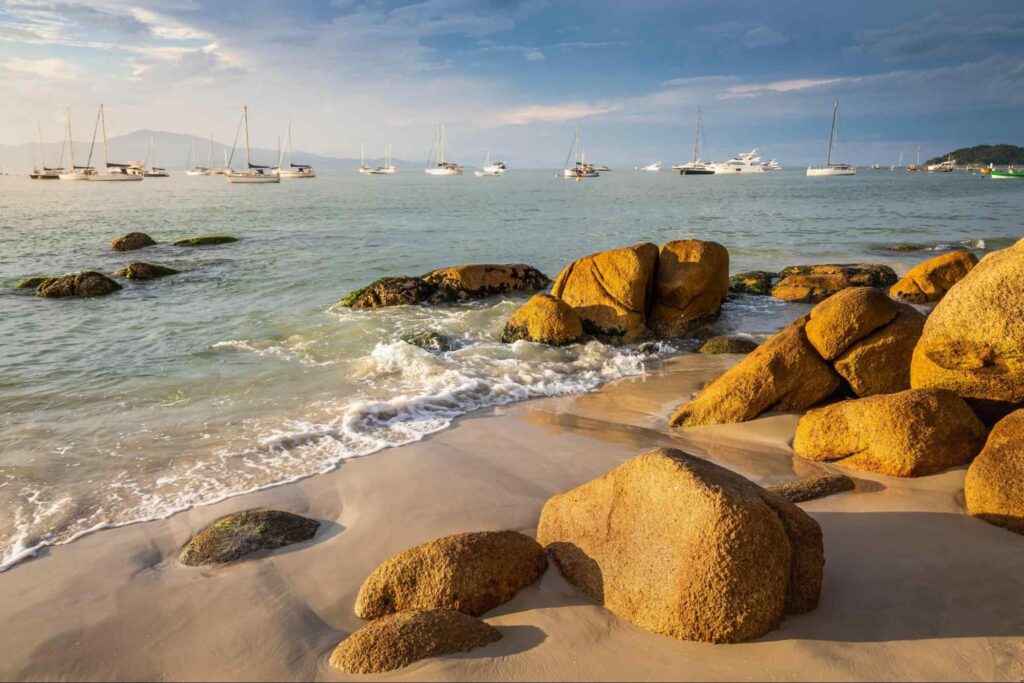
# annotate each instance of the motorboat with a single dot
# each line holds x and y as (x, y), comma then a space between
(651, 167)
(440, 167)
(947, 166)
(253, 173)
(830, 169)
(744, 162)
(772, 165)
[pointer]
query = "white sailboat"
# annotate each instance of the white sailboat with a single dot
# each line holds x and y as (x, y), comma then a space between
(830, 169)
(192, 169)
(153, 171)
(40, 171)
(113, 172)
(75, 172)
(696, 167)
(580, 168)
(440, 167)
(489, 169)
(253, 173)
(293, 171)
(363, 168)
(388, 168)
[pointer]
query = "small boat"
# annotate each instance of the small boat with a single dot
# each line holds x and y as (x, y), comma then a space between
(153, 171)
(876, 167)
(293, 171)
(41, 171)
(440, 167)
(580, 168)
(772, 165)
(947, 166)
(489, 169)
(744, 162)
(915, 167)
(388, 168)
(1010, 172)
(830, 169)
(114, 172)
(651, 167)
(253, 174)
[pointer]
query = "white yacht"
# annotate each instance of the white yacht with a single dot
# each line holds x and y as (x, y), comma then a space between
(74, 172)
(293, 171)
(947, 166)
(440, 167)
(830, 169)
(696, 167)
(489, 169)
(114, 172)
(253, 173)
(744, 162)
(580, 168)
(149, 167)
(772, 165)
(656, 166)
(388, 168)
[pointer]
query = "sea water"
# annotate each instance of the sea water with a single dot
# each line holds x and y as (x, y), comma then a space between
(242, 372)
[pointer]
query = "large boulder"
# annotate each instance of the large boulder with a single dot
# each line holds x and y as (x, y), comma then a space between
(973, 341)
(398, 640)
(784, 373)
(132, 241)
(205, 240)
(994, 488)
(880, 363)
(611, 291)
(912, 433)
(459, 283)
(929, 281)
(546, 320)
(752, 282)
(145, 271)
(680, 546)
(846, 317)
(811, 284)
(400, 290)
(237, 535)
(470, 573)
(691, 282)
(86, 283)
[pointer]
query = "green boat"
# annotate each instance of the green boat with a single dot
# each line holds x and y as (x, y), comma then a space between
(1007, 174)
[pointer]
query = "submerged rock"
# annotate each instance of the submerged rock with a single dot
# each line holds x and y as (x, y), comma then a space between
(242, 533)
(929, 281)
(431, 341)
(752, 282)
(204, 241)
(400, 290)
(546, 320)
(398, 640)
(912, 433)
(470, 573)
(85, 284)
(811, 284)
(680, 546)
(994, 488)
(145, 271)
(727, 344)
(132, 241)
(459, 283)
(812, 488)
(690, 284)
(34, 282)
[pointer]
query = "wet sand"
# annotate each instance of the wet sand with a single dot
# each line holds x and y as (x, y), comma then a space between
(914, 588)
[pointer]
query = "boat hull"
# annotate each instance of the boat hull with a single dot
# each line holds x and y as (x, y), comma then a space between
(252, 179)
(1003, 175)
(696, 171)
(285, 175)
(820, 172)
(73, 176)
(443, 171)
(114, 177)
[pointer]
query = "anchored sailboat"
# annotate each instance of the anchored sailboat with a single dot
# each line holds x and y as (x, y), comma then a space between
(192, 169)
(75, 172)
(388, 168)
(580, 168)
(40, 171)
(153, 171)
(696, 167)
(363, 168)
(253, 173)
(830, 169)
(441, 166)
(294, 170)
(489, 169)
(114, 171)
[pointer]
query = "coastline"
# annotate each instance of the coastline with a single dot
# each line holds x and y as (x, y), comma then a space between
(914, 588)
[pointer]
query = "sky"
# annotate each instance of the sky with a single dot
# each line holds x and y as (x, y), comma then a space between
(514, 78)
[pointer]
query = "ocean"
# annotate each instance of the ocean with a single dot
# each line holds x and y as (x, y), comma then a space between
(242, 373)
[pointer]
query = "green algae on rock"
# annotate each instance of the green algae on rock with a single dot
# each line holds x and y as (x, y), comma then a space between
(88, 283)
(132, 241)
(234, 536)
(204, 241)
(145, 271)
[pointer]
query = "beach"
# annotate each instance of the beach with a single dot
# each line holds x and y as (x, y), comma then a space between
(913, 588)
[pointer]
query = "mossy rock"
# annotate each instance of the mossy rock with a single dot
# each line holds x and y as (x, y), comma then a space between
(727, 344)
(812, 488)
(430, 341)
(34, 282)
(395, 290)
(752, 282)
(132, 241)
(245, 532)
(88, 283)
(205, 241)
(145, 271)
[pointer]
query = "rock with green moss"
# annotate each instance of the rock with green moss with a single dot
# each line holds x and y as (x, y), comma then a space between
(727, 344)
(245, 532)
(34, 282)
(85, 284)
(752, 282)
(205, 241)
(145, 271)
(132, 241)
(400, 290)
(431, 341)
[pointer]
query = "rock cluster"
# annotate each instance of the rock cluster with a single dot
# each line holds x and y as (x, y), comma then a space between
(811, 284)
(929, 281)
(242, 533)
(458, 283)
(994, 489)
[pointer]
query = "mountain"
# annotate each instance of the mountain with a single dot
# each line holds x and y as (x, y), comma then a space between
(172, 152)
(984, 154)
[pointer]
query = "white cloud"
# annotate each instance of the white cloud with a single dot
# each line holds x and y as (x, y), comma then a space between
(746, 90)
(521, 116)
(52, 69)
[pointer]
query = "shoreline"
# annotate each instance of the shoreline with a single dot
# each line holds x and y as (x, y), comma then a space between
(914, 588)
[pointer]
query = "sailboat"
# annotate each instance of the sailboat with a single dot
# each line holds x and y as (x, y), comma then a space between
(294, 170)
(489, 169)
(915, 167)
(580, 168)
(153, 171)
(441, 166)
(388, 168)
(830, 169)
(900, 164)
(363, 168)
(43, 172)
(192, 168)
(252, 173)
(113, 171)
(75, 172)
(696, 167)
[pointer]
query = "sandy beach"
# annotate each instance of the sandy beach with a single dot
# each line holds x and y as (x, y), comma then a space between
(914, 588)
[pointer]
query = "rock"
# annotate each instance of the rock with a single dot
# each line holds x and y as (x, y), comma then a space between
(611, 291)
(929, 281)
(398, 640)
(880, 363)
(912, 433)
(546, 320)
(784, 373)
(132, 241)
(431, 341)
(231, 537)
(471, 573)
(205, 241)
(727, 344)
(34, 282)
(389, 291)
(460, 283)
(86, 283)
(994, 488)
(691, 282)
(902, 246)
(752, 282)
(973, 341)
(811, 284)
(145, 271)
(846, 317)
(812, 488)
(680, 546)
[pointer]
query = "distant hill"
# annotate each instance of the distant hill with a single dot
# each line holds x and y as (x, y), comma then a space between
(984, 154)
(172, 152)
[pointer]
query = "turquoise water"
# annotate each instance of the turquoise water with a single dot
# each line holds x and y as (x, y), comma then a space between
(240, 373)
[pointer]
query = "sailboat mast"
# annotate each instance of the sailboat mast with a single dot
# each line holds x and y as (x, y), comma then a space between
(209, 162)
(832, 133)
(245, 115)
(103, 125)
(442, 144)
(71, 141)
(42, 152)
(696, 137)
(289, 142)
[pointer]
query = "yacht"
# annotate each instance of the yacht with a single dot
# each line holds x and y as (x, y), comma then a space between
(650, 167)
(153, 171)
(580, 168)
(696, 167)
(772, 165)
(947, 166)
(489, 169)
(293, 170)
(830, 169)
(42, 171)
(388, 168)
(744, 162)
(253, 173)
(113, 171)
(441, 167)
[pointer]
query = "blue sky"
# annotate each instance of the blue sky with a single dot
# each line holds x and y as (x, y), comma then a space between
(515, 77)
